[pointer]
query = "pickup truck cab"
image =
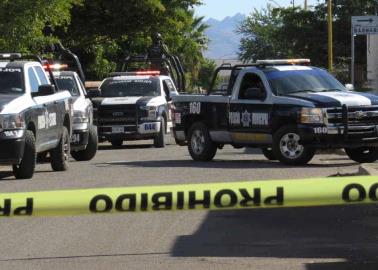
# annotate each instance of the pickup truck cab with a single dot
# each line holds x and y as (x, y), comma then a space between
(35, 117)
(134, 106)
(288, 109)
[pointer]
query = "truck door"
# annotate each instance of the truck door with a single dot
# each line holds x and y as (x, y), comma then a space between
(250, 110)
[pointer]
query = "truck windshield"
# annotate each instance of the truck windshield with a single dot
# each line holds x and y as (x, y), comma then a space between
(286, 82)
(66, 82)
(130, 88)
(11, 81)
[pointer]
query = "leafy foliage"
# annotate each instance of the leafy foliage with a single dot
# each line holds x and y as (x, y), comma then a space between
(297, 33)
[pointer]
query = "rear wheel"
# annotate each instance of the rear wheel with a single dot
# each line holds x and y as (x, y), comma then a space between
(287, 147)
(90, 151)
(60, 154)
(200, 145)
(363, 154)
(116, 143)
(159, 139)
(268, 153)
(25, 169)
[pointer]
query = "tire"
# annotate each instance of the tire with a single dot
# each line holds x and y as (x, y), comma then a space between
(286, 147)
(90, 151)
(200, 145)
(116, 143)
(363, 154)
(268, 153)
(159, 139)
(25, 169)
(60, 154)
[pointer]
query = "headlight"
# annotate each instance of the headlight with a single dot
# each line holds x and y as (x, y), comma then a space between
(80, 117)
(151, 111)
(12, 121)
(313, 116)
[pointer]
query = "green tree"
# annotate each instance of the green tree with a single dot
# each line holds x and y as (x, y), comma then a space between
(22, 22)
(294, 32)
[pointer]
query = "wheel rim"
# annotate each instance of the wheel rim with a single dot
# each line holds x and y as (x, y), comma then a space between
(66, 149)
(290, 147)
(198, 142)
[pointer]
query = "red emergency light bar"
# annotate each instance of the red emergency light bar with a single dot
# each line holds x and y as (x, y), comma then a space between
(148, 72)
(55, 66)
(284, 62)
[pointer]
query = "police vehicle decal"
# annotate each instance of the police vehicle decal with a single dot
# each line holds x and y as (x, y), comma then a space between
(17, 105)
(349, 99)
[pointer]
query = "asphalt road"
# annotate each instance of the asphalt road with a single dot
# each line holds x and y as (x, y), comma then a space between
(321, 238)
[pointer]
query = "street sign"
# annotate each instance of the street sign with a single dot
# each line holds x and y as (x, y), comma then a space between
(365, 25)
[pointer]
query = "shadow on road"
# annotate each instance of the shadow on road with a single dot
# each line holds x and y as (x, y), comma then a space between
(348, 233)
(217, 164)
(4, 175)
(124, 147)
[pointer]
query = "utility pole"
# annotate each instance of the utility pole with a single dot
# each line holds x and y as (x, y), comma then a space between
(330, 36)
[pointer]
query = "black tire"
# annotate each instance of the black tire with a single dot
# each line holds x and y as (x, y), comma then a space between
(90, 151)
(288, 150)
(159, 139)
(116, 143)
(268, 153)
(200, 145)
(363, 154)
(25, 169)
(60, 154)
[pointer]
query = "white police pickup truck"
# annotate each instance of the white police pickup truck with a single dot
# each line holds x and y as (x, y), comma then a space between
(134, 106)
(84, 139)
(35, 117)
(288, 109)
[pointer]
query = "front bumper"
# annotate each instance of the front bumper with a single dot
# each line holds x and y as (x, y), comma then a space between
(12, 147)
(339, 136)
(148, 130)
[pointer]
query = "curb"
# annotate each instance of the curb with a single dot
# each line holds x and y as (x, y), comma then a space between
(367, 169)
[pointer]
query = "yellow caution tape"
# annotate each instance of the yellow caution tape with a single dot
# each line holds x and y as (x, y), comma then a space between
(210, 196)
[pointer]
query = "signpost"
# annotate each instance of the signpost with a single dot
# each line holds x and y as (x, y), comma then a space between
(362, 25)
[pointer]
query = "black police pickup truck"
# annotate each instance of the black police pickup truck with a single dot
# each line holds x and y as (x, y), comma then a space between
(34, 116)
(285, 107)
(133, 106)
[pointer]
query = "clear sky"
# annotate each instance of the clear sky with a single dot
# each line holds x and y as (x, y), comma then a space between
(220, 9)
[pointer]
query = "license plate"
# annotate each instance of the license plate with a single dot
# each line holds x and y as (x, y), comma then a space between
(118, 130)
(75, 138)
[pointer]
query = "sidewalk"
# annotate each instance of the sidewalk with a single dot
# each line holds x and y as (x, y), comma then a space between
(368, 169)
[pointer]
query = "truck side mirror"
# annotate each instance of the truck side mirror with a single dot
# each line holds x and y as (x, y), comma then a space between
(44, 90)
(254, 93)
(349, 87)
(93, 92)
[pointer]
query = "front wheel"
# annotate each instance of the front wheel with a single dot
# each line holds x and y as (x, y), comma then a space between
(200, 145)
(90, 151)
(287, 147)
(363, 154)
(25, 169)
(60, 154)
(159, 139)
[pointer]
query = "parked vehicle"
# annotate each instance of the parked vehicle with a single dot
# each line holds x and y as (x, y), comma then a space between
(285, 107)
(35, 116)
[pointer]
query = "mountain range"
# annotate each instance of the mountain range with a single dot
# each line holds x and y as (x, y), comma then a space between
(224, 41)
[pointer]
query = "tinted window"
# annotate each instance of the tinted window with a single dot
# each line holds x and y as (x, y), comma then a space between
(130, 87)
(11, 80)
(311, 80)
(41, 75)
(67, 83)
(33, 80)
